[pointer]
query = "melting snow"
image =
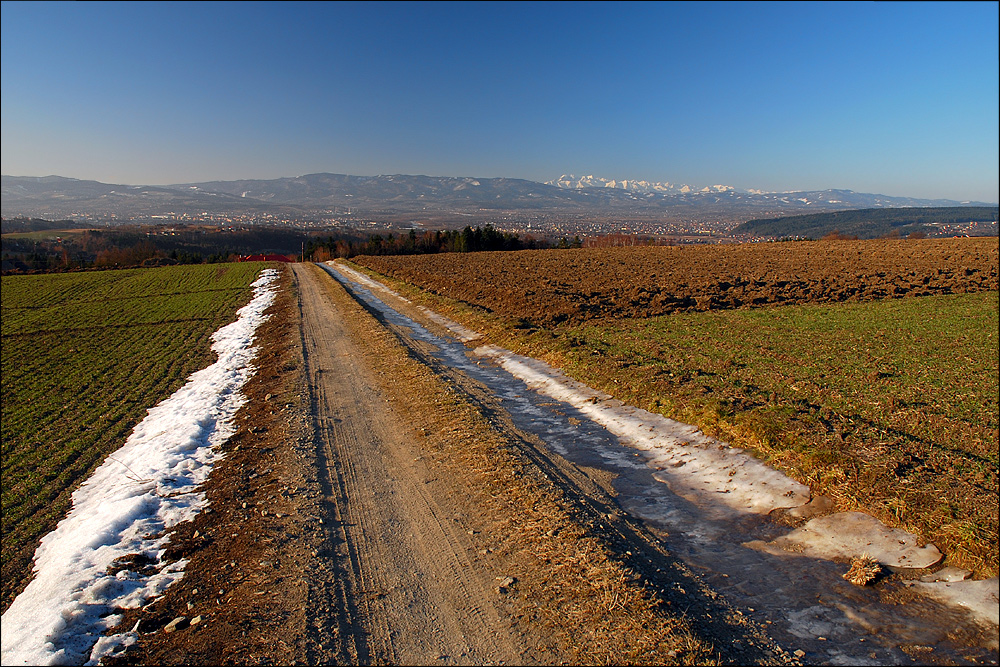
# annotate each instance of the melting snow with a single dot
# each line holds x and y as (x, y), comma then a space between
(981, 598)
(148, 485)
(851, 534)
(464, 334)
(694, 465)
(362, 279)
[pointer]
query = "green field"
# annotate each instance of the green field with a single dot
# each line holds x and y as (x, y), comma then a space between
(890, 407)
(84, 355)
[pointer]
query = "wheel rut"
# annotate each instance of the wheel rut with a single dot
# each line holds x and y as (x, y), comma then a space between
(797, 598)
(401, 585)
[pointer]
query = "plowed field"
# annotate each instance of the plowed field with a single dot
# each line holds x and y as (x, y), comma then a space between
(546, 287)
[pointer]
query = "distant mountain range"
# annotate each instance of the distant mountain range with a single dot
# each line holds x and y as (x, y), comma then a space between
(572, 182)
(317, 195)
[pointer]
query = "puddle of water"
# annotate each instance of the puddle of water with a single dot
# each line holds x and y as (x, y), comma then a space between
(709, 503)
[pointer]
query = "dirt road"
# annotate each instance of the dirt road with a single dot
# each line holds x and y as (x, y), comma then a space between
(403, 582)
(375, 507)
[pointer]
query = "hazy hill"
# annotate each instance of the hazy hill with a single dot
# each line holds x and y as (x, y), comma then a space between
(868, 223)
(22, 225)
(57, 197)
(339, 190)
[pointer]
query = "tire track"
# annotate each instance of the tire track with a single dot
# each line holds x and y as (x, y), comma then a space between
(594, 506)
(400, 584)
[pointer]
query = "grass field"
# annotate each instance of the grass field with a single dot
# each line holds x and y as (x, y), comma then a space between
(889, 407)
(44, 235)
(84, 355)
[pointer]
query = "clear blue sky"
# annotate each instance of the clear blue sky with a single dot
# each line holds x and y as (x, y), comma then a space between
(894, 98)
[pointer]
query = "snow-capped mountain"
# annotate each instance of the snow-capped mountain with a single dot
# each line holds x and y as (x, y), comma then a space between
(571, 182)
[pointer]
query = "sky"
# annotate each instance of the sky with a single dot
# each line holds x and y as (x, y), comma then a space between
(890, 98)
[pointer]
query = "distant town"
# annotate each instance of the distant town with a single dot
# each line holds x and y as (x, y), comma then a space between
(56, 223)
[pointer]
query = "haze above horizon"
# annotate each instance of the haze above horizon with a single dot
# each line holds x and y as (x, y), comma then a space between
(900, 99)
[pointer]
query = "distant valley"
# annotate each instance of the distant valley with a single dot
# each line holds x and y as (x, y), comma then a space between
(569, 204)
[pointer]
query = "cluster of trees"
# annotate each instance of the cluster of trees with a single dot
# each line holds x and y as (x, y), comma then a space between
(625, 241)
(470, 239)
(837, 235)
(69, 255)
(68, 249)
(23, 225)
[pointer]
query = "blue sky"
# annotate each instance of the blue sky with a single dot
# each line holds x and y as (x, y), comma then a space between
(894, 98)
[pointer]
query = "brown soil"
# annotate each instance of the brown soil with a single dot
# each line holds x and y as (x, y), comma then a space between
(375, 508)
(546, 287)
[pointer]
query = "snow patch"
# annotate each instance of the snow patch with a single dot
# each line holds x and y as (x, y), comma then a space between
(362, 279)
(724, 481)
(695, 466)
(850, 535)
(980, 598)
(145, 487)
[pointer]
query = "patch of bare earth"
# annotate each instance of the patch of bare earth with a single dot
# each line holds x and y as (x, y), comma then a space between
(373, 509)
(910, 462)
(249, 550)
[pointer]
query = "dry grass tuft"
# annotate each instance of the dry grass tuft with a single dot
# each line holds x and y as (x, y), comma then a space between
(864, 570)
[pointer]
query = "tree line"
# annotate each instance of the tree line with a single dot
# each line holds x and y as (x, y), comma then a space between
(31, 246)
(868, 223)
(37, 246)
(469, 239)
(69, 249)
